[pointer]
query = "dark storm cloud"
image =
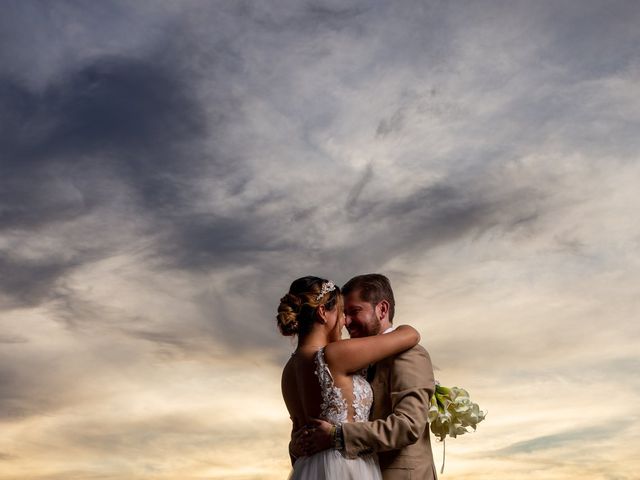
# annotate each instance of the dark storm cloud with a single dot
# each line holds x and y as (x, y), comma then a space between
(115, 118)
(121, 114)
(133, 119)
(202, 242)
(424, 217)
(29, 282)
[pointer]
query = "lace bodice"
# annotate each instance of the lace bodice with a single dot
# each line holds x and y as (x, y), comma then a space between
(334, 405)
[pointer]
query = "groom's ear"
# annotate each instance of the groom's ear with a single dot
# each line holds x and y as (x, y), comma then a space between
(383, 309)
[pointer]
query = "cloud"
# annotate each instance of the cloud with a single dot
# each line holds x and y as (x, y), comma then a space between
(562, 439)
(13, 339)
(110, 132)
(29, 282)
(25, 395)
(113, 114)
(357, 189)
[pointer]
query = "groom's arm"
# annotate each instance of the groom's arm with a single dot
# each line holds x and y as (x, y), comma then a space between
(411, 385)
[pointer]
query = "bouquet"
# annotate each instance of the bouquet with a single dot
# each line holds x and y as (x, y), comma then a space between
(451, 412)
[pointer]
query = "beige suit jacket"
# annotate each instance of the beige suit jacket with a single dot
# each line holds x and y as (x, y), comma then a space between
(399, 428)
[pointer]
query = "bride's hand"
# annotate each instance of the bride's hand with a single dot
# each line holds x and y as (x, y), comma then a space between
(317, 437)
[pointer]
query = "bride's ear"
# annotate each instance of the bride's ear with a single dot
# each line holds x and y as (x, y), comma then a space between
(321, 312)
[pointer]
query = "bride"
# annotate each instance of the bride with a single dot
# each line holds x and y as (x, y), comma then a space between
(326, 376)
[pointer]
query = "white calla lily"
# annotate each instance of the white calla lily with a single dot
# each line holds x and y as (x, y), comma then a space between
(451, 411)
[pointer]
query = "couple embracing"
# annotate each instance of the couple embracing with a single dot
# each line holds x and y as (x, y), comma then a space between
(358, 406)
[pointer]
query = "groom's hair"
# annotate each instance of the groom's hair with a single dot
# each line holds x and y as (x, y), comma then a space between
(372, 288)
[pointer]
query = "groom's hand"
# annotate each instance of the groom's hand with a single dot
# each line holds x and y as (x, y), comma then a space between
(316, 437)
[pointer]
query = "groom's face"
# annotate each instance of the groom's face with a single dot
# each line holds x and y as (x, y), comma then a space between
(360, 317)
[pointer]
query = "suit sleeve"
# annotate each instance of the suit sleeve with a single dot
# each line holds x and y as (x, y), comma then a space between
(411, 385)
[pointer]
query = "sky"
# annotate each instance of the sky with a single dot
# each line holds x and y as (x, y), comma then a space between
(168, 168)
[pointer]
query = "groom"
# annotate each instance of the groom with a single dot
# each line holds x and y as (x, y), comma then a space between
(402, 385)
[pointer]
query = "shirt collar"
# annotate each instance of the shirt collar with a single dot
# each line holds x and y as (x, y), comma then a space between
(390, 329)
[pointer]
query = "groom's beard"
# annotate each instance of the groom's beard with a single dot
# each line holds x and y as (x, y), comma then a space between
(372, 327)
(376, 327)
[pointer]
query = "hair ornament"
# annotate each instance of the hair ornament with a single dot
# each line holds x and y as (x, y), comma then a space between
(326, 288)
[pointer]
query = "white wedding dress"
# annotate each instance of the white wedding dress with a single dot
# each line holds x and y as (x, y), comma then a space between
(331, 464)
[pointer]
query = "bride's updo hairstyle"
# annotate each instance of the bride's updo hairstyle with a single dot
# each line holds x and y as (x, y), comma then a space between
(297, 309)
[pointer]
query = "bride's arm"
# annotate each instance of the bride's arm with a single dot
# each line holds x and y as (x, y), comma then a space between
(347, 356)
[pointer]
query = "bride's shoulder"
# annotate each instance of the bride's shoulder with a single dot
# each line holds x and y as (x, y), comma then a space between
(333, 353)
(289, 368)
(304, 357)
